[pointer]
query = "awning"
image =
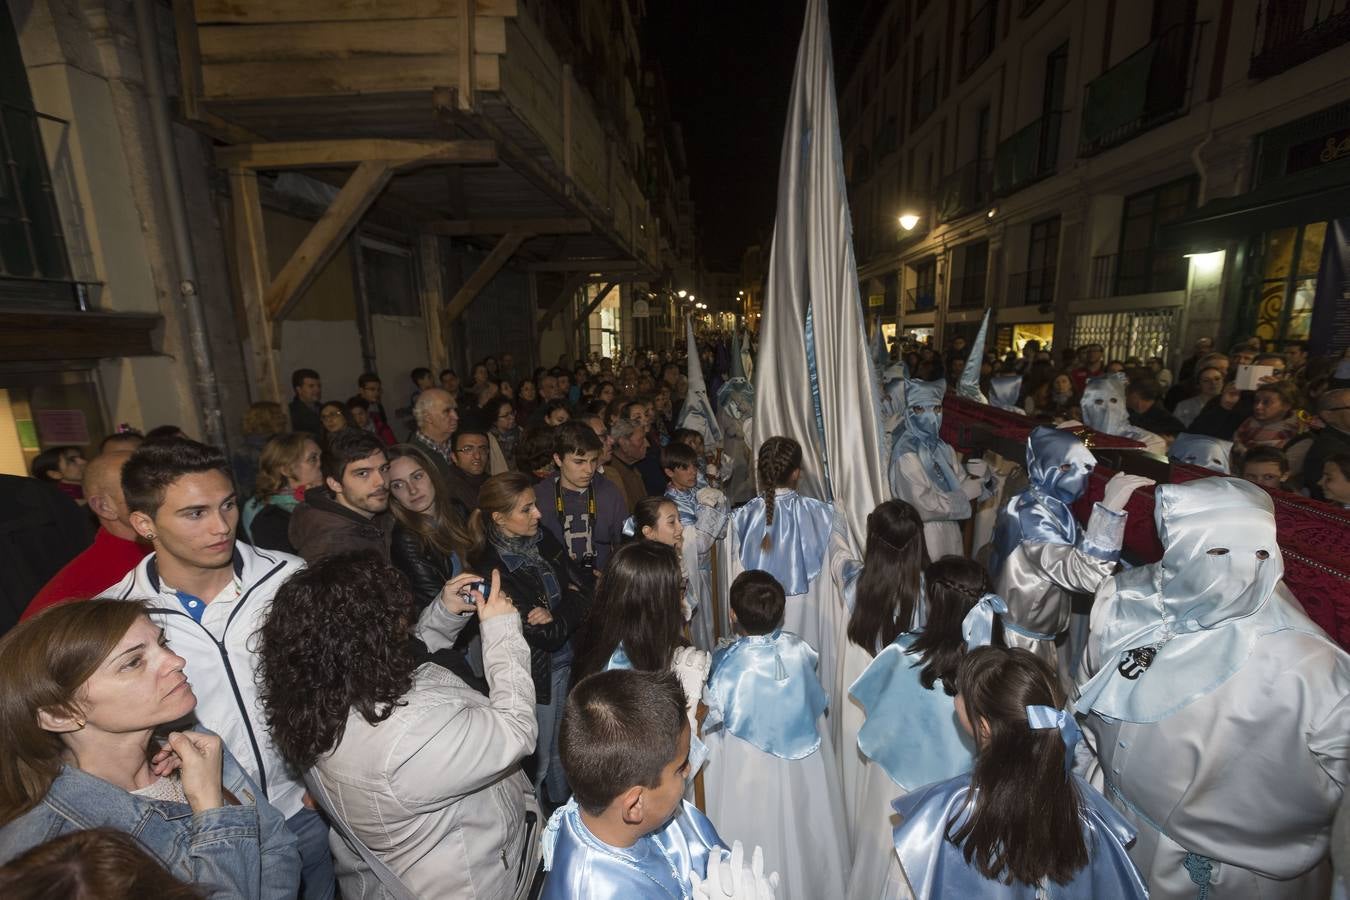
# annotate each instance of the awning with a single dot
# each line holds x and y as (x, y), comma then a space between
(1317, 195)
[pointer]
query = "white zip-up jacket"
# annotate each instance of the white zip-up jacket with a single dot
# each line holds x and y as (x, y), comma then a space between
(222, 662)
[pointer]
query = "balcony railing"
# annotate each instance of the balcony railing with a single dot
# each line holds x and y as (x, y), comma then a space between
(967, 291)
(1034, 287)
(964, 191)
(1028, 155)
(1147, 88)
(977, 38)
(925, 95)
(920, 299)
(1289, 32)
(1144, 271)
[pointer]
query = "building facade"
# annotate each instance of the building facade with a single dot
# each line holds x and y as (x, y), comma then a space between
(1133, 174)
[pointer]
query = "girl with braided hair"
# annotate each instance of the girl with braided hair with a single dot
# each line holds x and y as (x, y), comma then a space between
(788, 536)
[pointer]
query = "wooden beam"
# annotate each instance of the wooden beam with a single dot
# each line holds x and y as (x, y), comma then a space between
(327, 154)
(570, 286)
(222, 11)
(465, 63)
(583, 320)
(189, 58)
(431, 290)
(589, 265)
(488, 268)
(590, 307)
(326, 236)
(250, 254)
(471, 227)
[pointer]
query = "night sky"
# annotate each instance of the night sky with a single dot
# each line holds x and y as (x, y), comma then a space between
(728, 69)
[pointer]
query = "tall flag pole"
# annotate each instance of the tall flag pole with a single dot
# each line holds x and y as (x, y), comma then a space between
(814, 379)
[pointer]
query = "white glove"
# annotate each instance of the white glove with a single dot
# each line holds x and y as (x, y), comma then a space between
(977, 467)
(1120, 487)
(709, 496)
(972, 488)
(729, 879)
(691, 666)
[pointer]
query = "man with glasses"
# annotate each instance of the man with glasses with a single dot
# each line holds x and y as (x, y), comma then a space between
(1333, 408)
(468, 468)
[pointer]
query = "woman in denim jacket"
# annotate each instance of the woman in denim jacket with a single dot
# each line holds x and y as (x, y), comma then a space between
(83, 688)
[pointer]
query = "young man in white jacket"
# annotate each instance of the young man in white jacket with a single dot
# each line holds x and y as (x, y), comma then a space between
(210, 594)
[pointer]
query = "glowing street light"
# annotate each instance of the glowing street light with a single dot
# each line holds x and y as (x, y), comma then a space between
(681, 294)
(908, 221)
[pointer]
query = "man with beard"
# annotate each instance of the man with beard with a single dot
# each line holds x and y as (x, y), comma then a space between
(350, 510)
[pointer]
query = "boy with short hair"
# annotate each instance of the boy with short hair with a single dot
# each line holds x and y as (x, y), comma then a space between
(1266, 467)
(771, 775)
(703, 515)
(627, 831)
(582, 509)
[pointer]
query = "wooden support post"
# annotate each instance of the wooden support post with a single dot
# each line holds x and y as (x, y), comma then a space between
(363, 325)
(326, 236)
(466, 66)
(431, 288)
(583, 320)
(506, 247)
(250, 253)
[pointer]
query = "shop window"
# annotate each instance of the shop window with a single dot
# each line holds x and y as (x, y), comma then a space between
(1290, 258)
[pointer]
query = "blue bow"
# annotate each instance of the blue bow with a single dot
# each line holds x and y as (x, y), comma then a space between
(978, 625)
(1040, 717)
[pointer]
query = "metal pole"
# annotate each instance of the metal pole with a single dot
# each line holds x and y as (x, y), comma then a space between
(208, 391)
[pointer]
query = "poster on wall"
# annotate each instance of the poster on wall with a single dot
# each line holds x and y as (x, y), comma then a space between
(62, 426)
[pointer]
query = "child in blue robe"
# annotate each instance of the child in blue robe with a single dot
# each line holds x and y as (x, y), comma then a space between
(771, 779)
(703, 516)
(627, 834)
(1048, 835)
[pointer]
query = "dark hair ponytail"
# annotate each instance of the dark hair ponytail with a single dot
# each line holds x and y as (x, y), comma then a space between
(888, 588)
(1024, 821)
(953, 585)
(778, 458)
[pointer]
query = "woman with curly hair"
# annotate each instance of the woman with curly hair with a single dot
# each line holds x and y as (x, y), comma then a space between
(424, 770)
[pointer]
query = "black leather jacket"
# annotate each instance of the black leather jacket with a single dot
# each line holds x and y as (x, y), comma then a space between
(527, 591)
(427, 572)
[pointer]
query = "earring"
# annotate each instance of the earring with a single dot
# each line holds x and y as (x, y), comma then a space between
(150, 536)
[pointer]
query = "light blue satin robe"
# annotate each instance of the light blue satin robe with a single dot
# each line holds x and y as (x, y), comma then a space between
(764, 690)
(698, 751)
(800, 537)
(910, 731)
(582, 867)
(936, 867)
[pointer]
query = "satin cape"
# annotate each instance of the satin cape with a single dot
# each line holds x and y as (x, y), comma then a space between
(937, 868)
(800, 535)
(1041, 513)
(909, 731)
(921, 434)
(1202, 450)
(764, 690)
(657, 866)
(1201, 608)
(1004, 391)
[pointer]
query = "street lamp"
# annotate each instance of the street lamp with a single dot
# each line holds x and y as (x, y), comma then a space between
(909, 220)
(681, 294)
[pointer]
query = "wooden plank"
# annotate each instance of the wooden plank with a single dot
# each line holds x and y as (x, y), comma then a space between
(252, 12)
(587, 265)
(470, 227)
(570, 286)
(189, 58)
(490, 266)
(325, 154)
(464, 59)
(277, 79)
(33, 334)
(326, 236)
(431, 291)
(343, 40)
(250, 253)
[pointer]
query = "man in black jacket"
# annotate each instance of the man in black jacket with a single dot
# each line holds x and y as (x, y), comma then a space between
(350, 511)
(305, 403)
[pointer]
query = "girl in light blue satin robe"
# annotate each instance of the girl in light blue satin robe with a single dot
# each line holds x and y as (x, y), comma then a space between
(771, 779)
(1033, 830)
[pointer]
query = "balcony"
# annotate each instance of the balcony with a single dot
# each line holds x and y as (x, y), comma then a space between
(1132, 272)
(977, 38)
(1028, 155)
(1146, 89)
(925, 95)
(964, 191)
(1034, 287)
(1289, 32)
(920, 299)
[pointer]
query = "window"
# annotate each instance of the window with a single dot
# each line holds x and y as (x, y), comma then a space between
(1289, 262)
(968, 287)
(1042, 260)
(1143, 265)
(923, 295)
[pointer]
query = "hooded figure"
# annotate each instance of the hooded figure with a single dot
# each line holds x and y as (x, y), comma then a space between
(927, 474)
(1004, 391)
(1041, 555)
(1220, 712)
(1104, 410)
(1202, 450)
